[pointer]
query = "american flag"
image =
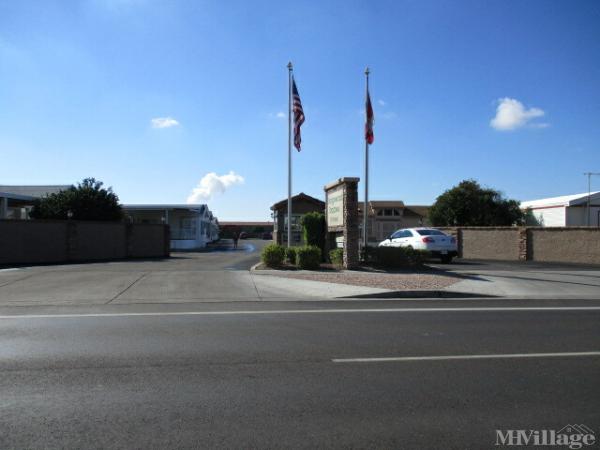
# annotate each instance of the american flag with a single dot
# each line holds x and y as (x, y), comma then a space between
(369, 136)
(298, 115)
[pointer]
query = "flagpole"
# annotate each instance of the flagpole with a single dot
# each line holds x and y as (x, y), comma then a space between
(289, 203)
(366, 204)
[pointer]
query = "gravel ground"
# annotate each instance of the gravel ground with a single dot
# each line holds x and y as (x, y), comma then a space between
(393, 281)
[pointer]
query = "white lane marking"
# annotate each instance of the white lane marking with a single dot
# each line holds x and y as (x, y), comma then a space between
(459, 357)
(302, 311)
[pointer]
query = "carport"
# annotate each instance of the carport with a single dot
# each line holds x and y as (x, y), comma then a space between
(15, 206)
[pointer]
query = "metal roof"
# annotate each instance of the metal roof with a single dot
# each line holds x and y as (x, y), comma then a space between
(147, 207)
(245, 224)
(565, 200)
(32, 190)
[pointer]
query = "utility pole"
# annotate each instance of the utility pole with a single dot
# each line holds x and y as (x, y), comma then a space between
(589, 175)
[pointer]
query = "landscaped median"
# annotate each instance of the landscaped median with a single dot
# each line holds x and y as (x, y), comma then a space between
(394, 269)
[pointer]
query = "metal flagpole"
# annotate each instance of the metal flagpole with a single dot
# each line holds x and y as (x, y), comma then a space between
(366, 204)
(589, 175)
(289, 203)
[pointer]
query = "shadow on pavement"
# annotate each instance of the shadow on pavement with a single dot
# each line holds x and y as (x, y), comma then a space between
(422, 294)
(486, 264)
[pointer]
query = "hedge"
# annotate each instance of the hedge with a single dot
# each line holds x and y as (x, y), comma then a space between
(272, 255)
(337, 256)
(313, 229)
(395, 257)
(290, 255)
(308, 257)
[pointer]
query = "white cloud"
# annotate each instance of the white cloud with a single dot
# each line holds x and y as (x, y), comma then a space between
(539, 125)
(212, 184)
(164, 122)
(379, 114)
(512, 114)
(381, 102)
(388, 115)
(277, 115)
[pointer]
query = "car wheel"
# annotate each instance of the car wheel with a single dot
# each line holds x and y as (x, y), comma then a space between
(446, 259)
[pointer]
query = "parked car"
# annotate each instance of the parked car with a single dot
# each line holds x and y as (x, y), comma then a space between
(436, 242)
(243, 235)
(267, 235)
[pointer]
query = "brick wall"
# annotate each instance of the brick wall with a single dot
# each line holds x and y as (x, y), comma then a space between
(491, 243)
(576, 245)
(31, 242)
(551, 244)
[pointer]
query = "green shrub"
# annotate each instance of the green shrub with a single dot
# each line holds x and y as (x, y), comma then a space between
(272, 255)
(308, 257)
(313, 229)
(290, 255)
(395, 257)
(337, 256)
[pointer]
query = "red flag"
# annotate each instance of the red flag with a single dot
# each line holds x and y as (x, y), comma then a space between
(369, 136)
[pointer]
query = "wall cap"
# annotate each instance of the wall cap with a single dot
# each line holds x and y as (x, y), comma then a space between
(339, 181)
(520, 228)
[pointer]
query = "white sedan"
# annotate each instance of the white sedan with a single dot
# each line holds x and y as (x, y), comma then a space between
(432, 240)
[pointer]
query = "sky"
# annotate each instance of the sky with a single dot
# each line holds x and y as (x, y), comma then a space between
(186, 101)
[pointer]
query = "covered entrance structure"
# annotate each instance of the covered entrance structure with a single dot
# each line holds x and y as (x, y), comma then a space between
(192, 226)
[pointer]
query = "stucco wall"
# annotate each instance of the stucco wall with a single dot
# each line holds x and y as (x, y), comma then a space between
(576, 245)
(96, 240)
(148, 240)
(31, 242)
(24, 242)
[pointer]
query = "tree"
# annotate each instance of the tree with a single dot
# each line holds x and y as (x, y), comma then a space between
(469, 204)
(86, 201)
(313, 227)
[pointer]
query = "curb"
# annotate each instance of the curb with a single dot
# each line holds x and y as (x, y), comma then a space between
(423, 294)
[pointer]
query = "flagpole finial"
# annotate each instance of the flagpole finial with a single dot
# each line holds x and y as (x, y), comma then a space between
(367, 71)
(289, 66)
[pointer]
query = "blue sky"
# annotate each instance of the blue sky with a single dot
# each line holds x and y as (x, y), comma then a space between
(81, 81)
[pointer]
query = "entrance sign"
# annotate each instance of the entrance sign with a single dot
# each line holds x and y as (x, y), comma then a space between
(335, 208)
(342, 218)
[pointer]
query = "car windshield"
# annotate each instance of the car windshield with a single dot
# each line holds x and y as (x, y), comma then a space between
(430, 233)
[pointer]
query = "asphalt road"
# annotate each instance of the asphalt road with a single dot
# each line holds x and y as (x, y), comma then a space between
(270, 376)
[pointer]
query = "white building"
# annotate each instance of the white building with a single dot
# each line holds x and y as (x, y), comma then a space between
(565, 211)
(192, 226)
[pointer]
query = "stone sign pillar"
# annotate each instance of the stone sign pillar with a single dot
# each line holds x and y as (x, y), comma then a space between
(341, 213)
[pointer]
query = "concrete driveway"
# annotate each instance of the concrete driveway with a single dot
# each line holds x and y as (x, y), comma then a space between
(524, 279)
(216, 275)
